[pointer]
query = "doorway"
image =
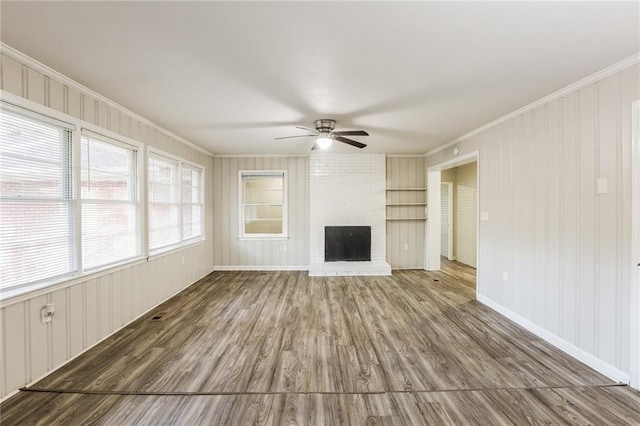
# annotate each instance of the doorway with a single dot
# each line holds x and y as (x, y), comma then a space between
(438, 177)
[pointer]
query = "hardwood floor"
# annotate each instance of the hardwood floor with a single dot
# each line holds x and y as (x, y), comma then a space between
(285, 348)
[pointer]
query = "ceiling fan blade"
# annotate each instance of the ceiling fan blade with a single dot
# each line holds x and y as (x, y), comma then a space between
(350, 142)
(306, 129)
(314, 147)
(352, 133)
(289, 137)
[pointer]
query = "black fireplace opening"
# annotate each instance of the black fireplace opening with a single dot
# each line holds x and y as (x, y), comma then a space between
(347, 243)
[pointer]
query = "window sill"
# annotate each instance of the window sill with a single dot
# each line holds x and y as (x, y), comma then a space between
(175, 249)
(16, 295)
(12, 296)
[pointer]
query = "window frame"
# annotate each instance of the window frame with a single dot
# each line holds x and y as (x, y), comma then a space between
(182, 242)
(136, 192)
(242, 235)
(76, 126)
(71, 200)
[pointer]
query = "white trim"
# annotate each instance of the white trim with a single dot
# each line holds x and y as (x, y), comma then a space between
(14, 105)
(8, 298)
(433, 209)
(434, 217)
(152, 151)
(455, 162)
(111, 137)
(604, 73)
(284, 235)
(450, 214)
(51, 371)
(51, 73)
(261, 268)
(254, 237)
(635, 246)
(567, 347)
(261, 155)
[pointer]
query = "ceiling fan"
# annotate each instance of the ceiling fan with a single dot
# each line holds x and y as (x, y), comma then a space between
(325, 135)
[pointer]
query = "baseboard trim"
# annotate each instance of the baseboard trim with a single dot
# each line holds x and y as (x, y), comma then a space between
(9, 395)
(261, 268)
(580, 354)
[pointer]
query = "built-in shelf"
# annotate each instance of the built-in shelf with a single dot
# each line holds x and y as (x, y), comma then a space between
(410, 207)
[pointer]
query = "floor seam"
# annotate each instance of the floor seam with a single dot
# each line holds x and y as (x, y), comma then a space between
(413, 391)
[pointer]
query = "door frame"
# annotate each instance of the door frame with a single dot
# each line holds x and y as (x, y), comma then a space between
(432, 230)
(635, 245)
(450, 214)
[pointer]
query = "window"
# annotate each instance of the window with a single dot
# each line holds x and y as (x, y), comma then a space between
(192, 206)
(176, 207)
(263, 212)
(110, 224)
(37, 220)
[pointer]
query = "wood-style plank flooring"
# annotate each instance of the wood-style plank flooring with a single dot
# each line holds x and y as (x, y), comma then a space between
(284, 348)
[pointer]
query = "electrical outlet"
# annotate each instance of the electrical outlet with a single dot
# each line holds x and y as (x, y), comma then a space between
(284, 247)
(505, 276)
(406, 246)
(47, 312)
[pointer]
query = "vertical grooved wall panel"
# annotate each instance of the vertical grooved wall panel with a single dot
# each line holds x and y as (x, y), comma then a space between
(405, 239)
(229, 250)
(566, 247)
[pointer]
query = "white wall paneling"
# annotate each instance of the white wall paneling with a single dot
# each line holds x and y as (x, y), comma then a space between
(566, 247)
(405, 239)
(91, 308)
(231, 253)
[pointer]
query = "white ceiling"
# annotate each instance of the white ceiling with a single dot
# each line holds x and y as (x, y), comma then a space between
(231, 77)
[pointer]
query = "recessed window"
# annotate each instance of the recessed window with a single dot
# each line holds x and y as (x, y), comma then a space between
(263, 207)
(176, 207)
(110, 219)
(37, 209)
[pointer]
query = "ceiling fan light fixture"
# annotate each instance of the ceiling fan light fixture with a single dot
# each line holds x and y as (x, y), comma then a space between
(324, 141)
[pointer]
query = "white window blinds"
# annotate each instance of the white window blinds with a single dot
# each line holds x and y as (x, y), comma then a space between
(37, 201)
(176, 206)
(110, 224)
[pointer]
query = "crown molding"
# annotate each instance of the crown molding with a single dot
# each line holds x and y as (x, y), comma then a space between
(593, 78)
(262, 155)
(51, 73)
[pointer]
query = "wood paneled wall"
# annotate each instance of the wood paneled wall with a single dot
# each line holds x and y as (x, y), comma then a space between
(565, 247)
(88, 310)
(232, 253)
(405, 239)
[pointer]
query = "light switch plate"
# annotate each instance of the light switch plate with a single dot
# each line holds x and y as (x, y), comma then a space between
(603, 185)
(484, 216)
